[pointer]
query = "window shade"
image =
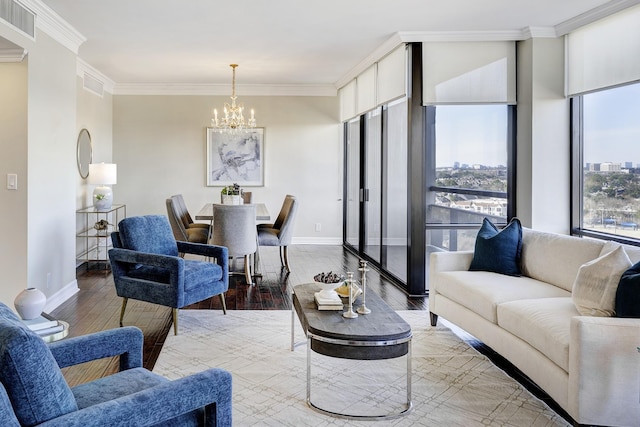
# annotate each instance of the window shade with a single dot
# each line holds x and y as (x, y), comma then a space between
(347, 95)
(469, 72)
(366, 90)
(605, 53)
(392, 75)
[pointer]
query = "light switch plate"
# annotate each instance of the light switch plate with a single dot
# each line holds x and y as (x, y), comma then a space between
(12, 181)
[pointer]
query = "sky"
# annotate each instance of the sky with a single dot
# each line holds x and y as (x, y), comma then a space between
(612, 125)
(474, 134)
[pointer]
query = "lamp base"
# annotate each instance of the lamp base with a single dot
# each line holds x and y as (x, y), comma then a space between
(102, 198)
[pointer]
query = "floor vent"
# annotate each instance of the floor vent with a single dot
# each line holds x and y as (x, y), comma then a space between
(18, 16)
(92, 84)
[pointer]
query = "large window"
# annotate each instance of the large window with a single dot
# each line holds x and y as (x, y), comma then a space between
(606, 142)
(471, 171)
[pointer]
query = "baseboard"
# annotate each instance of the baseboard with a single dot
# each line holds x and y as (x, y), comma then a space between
(61, 296)
(316, 241)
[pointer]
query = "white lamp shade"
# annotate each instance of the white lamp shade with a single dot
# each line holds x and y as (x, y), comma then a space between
(103, 173)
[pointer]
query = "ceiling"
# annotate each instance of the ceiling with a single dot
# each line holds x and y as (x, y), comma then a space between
(284, 42)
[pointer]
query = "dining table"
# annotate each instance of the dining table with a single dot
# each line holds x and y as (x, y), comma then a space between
(262, 214)
(206, 212)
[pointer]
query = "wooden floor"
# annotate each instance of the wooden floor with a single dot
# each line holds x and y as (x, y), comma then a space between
(96, 306)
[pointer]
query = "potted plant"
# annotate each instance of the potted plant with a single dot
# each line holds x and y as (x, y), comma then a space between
(232, 194)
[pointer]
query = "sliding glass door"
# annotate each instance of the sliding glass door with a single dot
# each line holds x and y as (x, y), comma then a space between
(372, 184)
(376, 149)
(352, 186)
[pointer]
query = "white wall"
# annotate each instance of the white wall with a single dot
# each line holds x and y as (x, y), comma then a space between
(95, 114)
(543, 174)
(13, 203)
(51, 169)
(159, 145)
(43, 216)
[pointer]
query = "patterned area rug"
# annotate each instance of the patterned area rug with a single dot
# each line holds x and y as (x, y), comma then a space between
(452, 384)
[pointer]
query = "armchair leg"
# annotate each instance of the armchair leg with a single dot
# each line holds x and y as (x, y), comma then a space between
(286, 259)
(224, 303)
(124, 306)
(175, 321)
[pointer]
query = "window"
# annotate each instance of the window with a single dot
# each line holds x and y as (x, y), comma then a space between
(471, 171)
(606, 142)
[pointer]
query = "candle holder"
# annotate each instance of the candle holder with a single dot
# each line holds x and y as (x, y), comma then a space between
(350, 314)
(363, 279)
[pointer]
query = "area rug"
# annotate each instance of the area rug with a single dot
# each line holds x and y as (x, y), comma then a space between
(452, 384)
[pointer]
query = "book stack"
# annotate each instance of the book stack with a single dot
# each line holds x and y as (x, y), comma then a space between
(332, 302)
(43, 326)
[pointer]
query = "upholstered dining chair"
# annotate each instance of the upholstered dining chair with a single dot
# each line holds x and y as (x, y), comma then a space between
(146, 266)
(33, 390)
(235, 228)
(280, 233)
(182, 225)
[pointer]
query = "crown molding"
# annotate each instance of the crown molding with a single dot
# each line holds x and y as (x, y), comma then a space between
(56, 27)
(83, 68)
(539, 32)
(223, 89)
(594, 15)
(460, 36)
(12, 54)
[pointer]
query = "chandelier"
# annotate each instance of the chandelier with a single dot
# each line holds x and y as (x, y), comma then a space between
(232, 119)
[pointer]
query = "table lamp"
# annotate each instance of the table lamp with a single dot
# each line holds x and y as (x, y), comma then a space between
(102, 175)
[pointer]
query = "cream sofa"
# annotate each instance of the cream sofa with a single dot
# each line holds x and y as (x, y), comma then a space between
(588, 365)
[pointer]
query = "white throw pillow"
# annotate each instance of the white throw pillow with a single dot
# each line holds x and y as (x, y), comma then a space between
(594, 290)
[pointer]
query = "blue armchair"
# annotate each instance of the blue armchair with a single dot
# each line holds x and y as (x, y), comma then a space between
(146, 266)
(33, 391)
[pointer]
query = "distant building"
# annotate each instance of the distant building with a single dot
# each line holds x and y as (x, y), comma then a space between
(610, 167)
(628, 165)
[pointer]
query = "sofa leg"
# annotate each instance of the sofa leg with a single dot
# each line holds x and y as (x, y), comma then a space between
(434, 319)
(124, 306)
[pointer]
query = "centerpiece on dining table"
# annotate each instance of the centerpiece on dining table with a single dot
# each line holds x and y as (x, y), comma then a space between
(232, 194)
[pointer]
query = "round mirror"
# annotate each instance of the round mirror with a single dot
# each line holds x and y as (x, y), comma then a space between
(84, 153)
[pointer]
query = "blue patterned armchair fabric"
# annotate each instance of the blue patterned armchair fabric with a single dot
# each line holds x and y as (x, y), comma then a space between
(146, 266)
(33, 391)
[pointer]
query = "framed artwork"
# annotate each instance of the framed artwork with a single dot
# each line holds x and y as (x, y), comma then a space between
(235, 158)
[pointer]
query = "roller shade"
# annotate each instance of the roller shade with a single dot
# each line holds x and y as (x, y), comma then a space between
(366, 90)
(605, 53)
(347, 96)
(392, 75)
(469, 72)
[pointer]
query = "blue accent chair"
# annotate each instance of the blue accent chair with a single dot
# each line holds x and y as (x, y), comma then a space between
(33, 391)
(146, 266)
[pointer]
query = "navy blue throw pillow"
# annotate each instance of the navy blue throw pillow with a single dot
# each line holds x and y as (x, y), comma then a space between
(628, 293)
(498, 251)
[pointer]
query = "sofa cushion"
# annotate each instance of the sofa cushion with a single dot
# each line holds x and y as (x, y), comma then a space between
(30, 374)
(556, 258)
(482, 291)
(628, 293)
(543, 323)
(498, 250)
(594, 290)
